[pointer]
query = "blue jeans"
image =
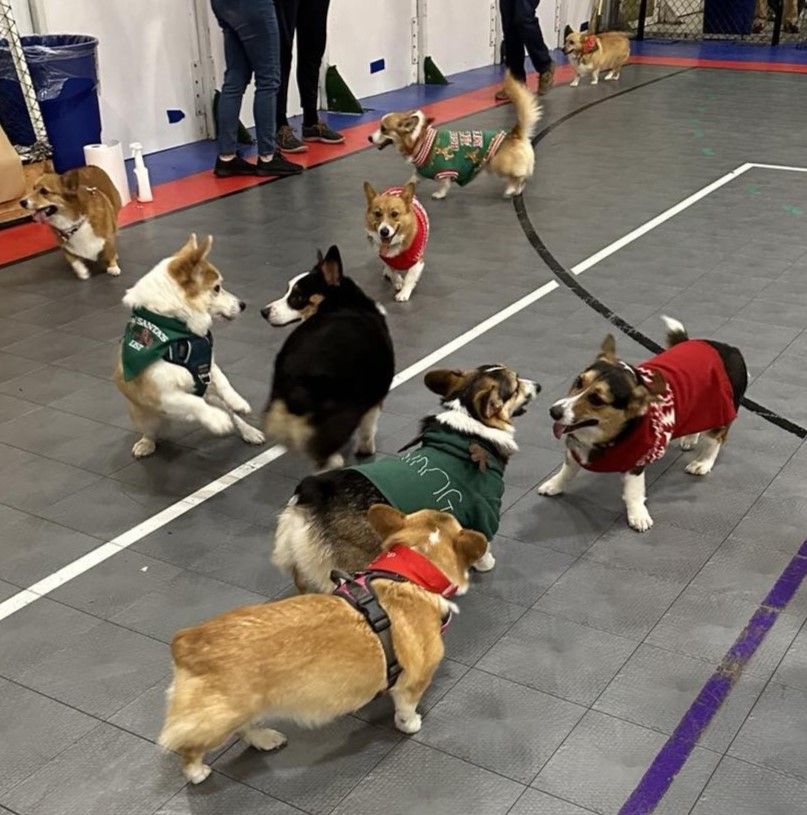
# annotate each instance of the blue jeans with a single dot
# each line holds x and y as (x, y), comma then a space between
(251, 45)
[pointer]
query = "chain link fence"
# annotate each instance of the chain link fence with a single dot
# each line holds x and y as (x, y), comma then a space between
(765, 22)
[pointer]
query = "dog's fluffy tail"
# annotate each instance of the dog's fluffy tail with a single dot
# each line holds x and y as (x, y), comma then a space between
(528, 111)
(675, 331)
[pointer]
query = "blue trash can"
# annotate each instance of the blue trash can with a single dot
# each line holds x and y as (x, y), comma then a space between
(728, 16)
(65, 75)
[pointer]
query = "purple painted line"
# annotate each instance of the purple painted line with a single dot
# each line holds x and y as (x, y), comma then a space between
(674, 754)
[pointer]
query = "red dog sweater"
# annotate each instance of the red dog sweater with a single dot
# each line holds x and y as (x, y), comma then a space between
(698, 397)
(409, 257)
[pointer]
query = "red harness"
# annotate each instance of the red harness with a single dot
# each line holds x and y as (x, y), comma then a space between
(401, 564)
(698, 397)
(409, 257)
(589, 45)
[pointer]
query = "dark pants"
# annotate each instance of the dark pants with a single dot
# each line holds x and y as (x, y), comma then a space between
(250, 47)
(309, 19)
(521, 30)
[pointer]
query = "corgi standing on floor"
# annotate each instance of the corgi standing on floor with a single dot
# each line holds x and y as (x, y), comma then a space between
(451, 156)
(81, 207)
(166, 368)
(311, 658)
(592, 53)
(618, 418)
(397, 224)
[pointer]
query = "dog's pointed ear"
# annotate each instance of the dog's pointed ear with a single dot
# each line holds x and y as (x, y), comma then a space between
(70, 184)
(411, 121)
(331, 266)
(490, 402)
(369, 192)
(643, 396)
(205, 246)
(608, 348)
(385, 520)
(444, 382)
(470, 546)
(430, 120)
(184, 265)
(408, 192)
(566, 31)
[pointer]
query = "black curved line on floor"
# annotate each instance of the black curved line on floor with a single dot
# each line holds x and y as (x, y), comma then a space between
(571, 281)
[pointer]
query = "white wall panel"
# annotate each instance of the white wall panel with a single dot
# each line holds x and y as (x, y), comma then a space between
(22, 16)
(458, 33)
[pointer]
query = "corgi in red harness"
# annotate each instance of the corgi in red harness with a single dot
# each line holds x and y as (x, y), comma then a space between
(619, 418)
(592, 53)
(397, 224)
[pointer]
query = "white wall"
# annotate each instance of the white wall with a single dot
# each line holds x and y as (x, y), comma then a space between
(459, 34)
(22, 16)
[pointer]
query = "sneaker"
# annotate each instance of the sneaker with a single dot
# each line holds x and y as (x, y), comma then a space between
(501, 96)
(288, 142)
(235, 166)
(322, 133)
(546, 80)
(278, 166)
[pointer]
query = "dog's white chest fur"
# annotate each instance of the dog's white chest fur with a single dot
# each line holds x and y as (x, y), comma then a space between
(84, 243)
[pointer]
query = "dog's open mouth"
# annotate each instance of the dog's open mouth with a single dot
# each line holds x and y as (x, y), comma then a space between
(560, 429)
(43, 213)
(386, 240)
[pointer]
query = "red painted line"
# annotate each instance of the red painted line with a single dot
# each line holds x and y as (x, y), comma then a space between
(19, 242)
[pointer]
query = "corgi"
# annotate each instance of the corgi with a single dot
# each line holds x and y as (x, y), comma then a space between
(81, 207)
(620, 418)
(334, 370)
(398, 225)
(592, 53)
(313, 658)
(457, 467)
(165, 367)
(451, 156)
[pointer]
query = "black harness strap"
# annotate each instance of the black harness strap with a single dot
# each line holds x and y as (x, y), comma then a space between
(195, 354)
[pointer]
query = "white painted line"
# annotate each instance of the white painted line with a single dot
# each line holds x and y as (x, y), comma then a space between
(83, 564)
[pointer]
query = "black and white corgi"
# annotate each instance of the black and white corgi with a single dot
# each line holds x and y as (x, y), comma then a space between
(334, 370)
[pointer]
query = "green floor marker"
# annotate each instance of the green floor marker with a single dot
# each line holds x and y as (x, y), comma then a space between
(708, 151)
(753, 189)
(792, 209)
(698, 133)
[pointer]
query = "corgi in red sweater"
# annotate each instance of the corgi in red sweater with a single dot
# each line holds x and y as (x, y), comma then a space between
(618, 418)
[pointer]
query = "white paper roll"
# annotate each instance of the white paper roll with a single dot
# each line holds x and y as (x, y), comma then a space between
(109, 157)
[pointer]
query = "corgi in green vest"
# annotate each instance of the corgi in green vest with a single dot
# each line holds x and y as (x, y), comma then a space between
(166, 368)
(456, 464)
(458, 156)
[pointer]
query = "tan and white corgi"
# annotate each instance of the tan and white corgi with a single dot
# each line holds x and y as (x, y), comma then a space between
(397, 224)
(166, 368)
(592, 53)
(81, 207)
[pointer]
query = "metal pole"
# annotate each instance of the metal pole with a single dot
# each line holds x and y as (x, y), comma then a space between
(642, 18)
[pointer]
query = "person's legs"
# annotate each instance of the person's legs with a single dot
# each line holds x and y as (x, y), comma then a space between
(529, 31)
(513, 44)
(287, 13)
(312, 33)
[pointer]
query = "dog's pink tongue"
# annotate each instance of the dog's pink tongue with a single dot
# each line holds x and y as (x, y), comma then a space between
(558, 429)
(40, 217)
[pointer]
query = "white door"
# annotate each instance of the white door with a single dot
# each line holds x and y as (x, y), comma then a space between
(460, 34)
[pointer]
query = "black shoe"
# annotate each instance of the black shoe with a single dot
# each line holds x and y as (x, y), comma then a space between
(235, 166)
(322, 133)
(287, 142)
(278, 166)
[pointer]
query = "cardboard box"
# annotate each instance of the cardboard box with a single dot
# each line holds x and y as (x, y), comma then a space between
(12, 179)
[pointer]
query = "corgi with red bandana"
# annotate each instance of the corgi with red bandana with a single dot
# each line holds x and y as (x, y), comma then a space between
(397, 224)
(618, 418)
(592, 53)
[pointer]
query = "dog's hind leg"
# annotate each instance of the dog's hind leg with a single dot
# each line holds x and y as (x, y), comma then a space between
(712, 441)
(611, 75)
(262, 738)
(442, 190)
(410, 281)
(148, 424)
(190, 408)
(109, 256)
(595, 77)
(365, 435)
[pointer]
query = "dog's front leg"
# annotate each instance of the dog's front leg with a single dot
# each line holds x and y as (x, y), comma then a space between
(248, 433)
(189, 408)
(633, 493)
(228, 394)
(557, 484)
(410, 281)
(442, 190)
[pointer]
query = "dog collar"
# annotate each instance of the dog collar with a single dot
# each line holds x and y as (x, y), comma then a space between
(589, 45)
(65, 234)
(412, 566)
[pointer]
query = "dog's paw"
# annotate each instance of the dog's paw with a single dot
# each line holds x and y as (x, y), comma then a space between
(113, 270)
(485, 563)
(552, 486)
(438, 195)
(402, 296)
(574, 83)
(411, 724)
(639, 519)
(196, 773)
(365, 449)
(239, 405)
(699, 467)
(219, 423)
(594, 81)
(81, 272)
(264, 738)
(689, 442)
(143, 447)
(251, 435)
(334, 462)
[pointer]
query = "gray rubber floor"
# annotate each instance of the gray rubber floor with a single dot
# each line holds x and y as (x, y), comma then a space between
(574, 659)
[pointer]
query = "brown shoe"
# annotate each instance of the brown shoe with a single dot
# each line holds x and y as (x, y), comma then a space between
(546, 80)
(790, 28)
(501, 95)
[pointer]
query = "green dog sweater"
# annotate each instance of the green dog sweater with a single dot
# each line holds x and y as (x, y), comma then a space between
(150, 337)
(456, 154)
(441, 475)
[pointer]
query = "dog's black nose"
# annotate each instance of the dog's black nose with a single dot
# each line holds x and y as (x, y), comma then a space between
(265, 312)
(242, 305)
(384, 231)
(24, 203)
(556, 412)
(370, 139)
